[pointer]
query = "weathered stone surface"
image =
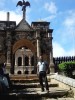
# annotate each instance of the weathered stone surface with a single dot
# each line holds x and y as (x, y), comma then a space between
(66, 80)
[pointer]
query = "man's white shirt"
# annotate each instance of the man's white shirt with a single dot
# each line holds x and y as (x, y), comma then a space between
(42, 66)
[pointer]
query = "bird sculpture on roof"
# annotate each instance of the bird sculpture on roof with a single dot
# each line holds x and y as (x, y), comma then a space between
(24, 4)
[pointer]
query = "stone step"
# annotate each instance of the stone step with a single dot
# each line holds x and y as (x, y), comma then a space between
(28, 88)
(13, 97)
(32, 85)
(36, 94)
(25, 78)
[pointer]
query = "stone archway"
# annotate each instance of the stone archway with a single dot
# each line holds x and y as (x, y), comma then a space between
(22, 43)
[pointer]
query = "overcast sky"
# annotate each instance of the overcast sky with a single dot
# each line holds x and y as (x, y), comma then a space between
(60, 14)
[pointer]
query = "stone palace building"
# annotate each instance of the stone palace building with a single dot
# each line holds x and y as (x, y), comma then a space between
(22, 44)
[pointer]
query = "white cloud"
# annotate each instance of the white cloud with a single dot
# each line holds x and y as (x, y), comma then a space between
(3, 15)
(59, 51)
(66, 28)
(13, 16)
(51, 7)
(49, 18)
(70, 19)
(69, 26)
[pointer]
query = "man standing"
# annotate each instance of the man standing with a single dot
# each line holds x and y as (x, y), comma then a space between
(4, 68)
(42, 69)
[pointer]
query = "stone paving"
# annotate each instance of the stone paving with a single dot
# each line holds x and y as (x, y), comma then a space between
(36, 93)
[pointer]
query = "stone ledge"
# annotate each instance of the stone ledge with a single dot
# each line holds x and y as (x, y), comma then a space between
(65, 83)
(64, 79)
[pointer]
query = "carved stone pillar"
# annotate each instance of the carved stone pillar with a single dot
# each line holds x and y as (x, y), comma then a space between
(23, 55)
(35, 63)
(16, 61)
(38, 44)
(51, 52)
(51, 61)
(8, 43)
(30, 61)
(8, 58)
(30, 67)
(22, 60)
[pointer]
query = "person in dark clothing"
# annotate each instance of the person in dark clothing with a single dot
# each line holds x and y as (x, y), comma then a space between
(5, 82)
(42, 69)
(1, 71)
(3, 86)
(4, 67)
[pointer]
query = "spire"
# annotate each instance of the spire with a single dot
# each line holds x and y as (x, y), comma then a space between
(24, 5)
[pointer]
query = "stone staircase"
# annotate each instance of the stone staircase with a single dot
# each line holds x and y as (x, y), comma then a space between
(28, 88)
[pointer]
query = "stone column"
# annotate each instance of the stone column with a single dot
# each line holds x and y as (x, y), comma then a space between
(38, 44)
(8, 43)
(51, 52)
(29, 60)
(16, 60)
(30, 65)
(8, 58)
(35, 63)
(23, 55)
(16, 64)
(51, 61)
(22, 59)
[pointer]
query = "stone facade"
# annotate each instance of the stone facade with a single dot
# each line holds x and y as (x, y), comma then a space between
(22, 44)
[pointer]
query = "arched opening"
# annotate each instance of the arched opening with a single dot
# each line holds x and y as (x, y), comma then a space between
(24, 52)
(26, 61)
(32, 60)
(32, 72)
(22, 43)
(19, 61)
(19, 72)
(26, 72)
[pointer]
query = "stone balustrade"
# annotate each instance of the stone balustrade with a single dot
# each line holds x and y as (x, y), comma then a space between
(24, 68)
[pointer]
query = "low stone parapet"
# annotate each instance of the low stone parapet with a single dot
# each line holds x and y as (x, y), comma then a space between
(64, 82)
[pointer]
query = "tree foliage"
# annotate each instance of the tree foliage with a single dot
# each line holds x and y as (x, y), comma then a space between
(68, 68)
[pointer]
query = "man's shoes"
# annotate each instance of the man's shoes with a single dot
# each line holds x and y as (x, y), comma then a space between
(42, 90)
(47, 91)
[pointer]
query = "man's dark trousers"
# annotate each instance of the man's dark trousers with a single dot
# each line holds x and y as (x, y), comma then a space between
(43, 78)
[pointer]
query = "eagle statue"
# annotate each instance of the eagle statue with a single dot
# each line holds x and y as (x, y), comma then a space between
(24, 4)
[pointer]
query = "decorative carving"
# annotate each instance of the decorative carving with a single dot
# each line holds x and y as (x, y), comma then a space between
(22, 35)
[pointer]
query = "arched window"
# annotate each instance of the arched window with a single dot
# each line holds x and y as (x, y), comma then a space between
(26, 72)
(32, 61)
(26, 61)
(19, 72)
(19, 61)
